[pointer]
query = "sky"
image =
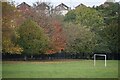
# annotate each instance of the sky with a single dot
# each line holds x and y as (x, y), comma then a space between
(69, 3)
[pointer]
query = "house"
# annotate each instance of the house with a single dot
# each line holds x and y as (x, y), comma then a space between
(61, 9)
(43, 8)
(106, 4)
(24, 7)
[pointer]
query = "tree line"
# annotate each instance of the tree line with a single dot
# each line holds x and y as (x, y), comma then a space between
(82, 30)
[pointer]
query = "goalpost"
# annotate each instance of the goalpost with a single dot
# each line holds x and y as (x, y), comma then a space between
(99, 55)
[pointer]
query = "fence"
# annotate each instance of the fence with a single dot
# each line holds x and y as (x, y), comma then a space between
(59, 56)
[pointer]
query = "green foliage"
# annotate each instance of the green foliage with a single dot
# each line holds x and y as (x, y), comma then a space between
(111, 10)
(70, 16)
(32, 38)
(110, 32)
(102, 21)
(86, 17)
(79, 39)
(88, 23)
(101, 45)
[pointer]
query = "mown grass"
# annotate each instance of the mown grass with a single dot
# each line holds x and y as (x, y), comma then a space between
(64, 69)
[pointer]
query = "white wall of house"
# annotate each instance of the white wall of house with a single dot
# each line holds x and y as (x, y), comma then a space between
(63, 12)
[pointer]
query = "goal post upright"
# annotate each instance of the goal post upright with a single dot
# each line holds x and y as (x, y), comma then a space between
(105, 61)
(94, 59)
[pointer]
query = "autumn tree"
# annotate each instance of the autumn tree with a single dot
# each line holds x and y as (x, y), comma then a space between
(51, 25)
(32, 38)
(58, 38)
(8, 29)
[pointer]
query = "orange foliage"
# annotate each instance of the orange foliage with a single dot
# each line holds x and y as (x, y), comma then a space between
(58, 38)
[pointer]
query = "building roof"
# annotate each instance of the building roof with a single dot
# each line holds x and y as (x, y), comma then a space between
(80, 5)
(62, 6)
(22, 4)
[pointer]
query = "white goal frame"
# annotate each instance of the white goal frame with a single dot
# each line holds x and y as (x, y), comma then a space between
(104, 55)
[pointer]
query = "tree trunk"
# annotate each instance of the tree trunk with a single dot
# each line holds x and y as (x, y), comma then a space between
(31, 56)
(25, 58)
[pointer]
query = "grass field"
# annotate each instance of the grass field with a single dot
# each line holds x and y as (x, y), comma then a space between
(60, 69)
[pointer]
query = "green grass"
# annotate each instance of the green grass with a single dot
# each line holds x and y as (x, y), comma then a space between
(67, 69)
